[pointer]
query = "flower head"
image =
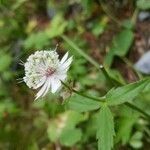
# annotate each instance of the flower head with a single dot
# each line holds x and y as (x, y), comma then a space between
(44, 70)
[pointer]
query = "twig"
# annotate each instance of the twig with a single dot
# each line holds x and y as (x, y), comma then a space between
(84, 95)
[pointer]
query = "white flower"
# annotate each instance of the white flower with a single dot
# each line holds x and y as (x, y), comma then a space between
(44, 70)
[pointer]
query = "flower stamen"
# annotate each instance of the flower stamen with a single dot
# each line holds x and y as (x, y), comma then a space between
(49, 72)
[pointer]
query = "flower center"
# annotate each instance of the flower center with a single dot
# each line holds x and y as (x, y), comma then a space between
(49, 72)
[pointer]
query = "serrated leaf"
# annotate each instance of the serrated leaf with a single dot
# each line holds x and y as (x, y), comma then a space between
(105, 131)
(82, 104)
(126, 93)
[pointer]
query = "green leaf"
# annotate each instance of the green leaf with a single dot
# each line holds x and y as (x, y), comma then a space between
(5, 61)
(74, 118)
(105, 131)
(99, 26)
(125, 93)
(116, 76)
(120, 45)
(109, 58)
(82, 104)
(143, 4)
(7, 106)
(91, 126)
(42, 38)
(33, 146)
(70, 136)
(37, 40)
(122, 42)
(65, 123)
(87, 7)
(136, 140)
(125, 126)
(18, 3)
(57, 26)
(128, 24)
(80, 51)
(53, 131)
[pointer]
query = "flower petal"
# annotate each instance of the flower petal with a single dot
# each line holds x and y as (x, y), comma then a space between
(48, 87)
(61, 77)
(66, 64)
(42, 90)
(64, 58)
(41, 82)
(55, 85)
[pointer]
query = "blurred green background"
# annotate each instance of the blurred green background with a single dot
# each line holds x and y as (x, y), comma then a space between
(109, 31)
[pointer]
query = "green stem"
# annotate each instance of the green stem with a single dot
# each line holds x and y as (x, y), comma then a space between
(131, 105)
(131, 66)
(110, 79)
(89, 59)
(94, 63)
(108, 13)
(84, 95)
(103, 100)
(137, 109)
(134, 17)
(74, 46)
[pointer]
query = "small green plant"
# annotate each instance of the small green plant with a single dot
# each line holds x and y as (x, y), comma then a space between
(44, 70)
(100, 101)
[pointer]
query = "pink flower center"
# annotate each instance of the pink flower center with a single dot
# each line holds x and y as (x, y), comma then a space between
(49, 72)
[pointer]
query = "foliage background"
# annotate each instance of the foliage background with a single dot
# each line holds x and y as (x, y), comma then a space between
(108, 31)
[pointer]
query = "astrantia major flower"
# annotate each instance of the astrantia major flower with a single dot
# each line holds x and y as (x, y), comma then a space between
(44, 71)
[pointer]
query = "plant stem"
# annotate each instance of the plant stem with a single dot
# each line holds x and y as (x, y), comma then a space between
(134, 16)
(103, 100)
(94, 63)
(108, 13)
(74, 46)
(137, 109)
(89, 59)
(139, 75)
(84, 95)
(108, 77)
(131, 105)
